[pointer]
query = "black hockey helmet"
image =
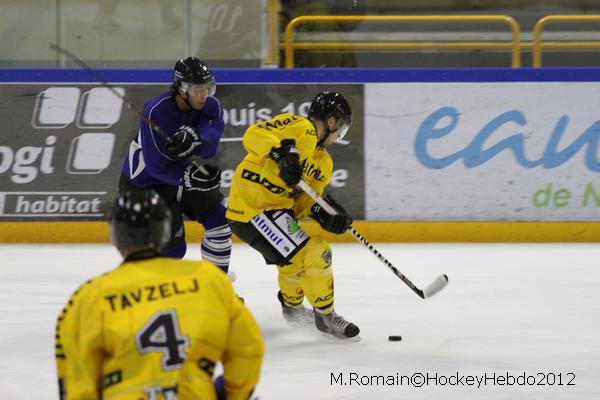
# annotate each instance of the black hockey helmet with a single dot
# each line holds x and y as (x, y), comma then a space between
(140, 220)
(192, 70)
(332, 104)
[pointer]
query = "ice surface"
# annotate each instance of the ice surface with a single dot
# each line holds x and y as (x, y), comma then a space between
(509, 309)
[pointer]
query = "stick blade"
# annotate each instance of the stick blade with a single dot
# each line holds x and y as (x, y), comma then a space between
(436, 286)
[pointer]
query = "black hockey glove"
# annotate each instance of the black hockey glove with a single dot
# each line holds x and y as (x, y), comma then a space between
(182, 143)
(195, 179)
(338, 223)
(288, 158)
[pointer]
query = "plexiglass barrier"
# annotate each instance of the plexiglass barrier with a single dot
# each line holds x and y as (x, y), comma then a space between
(149, 33)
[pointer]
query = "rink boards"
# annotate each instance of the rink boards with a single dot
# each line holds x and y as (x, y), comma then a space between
(432, 155)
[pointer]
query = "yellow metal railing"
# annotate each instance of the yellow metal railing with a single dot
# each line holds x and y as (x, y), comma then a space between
(514, 45)
(538, 44)
(273, 54)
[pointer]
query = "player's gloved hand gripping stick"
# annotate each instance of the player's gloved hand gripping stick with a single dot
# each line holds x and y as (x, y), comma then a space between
(437, 285)
(182, 143)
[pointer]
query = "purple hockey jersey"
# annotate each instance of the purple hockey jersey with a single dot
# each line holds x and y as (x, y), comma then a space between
(146, 163)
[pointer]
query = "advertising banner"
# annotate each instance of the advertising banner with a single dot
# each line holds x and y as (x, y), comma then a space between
(62, 145)
(509, 151)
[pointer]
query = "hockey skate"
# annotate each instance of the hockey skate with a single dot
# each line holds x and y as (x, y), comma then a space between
(297, 316)
(336, 325)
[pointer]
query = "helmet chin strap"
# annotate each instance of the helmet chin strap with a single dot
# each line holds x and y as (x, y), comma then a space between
(328, 133)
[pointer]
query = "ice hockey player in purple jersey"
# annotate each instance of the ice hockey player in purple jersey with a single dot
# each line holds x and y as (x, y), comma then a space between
(190, 125)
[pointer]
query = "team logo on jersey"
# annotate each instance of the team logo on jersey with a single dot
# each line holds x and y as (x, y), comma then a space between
(311, 132)
(310, 170)
(279, 123)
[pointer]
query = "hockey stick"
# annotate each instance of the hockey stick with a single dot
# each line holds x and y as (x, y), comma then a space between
(128, 103)
(112, 89)
(437, 285)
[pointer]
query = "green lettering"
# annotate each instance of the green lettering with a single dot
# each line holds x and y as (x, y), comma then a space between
(561, 197)
(541, 197)
(591, 195)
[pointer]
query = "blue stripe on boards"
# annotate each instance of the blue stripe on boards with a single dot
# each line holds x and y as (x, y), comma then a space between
(308, 75)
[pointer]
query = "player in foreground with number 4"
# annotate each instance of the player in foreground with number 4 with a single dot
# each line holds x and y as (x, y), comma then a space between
(154, 327)
(192, 118)
(265, 205)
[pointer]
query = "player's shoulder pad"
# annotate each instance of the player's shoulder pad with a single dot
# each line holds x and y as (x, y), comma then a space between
(162, 105)
(161, 100)
(212, 108)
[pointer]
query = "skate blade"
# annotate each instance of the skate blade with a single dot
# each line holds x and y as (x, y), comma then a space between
(332, 338)
(300, 323)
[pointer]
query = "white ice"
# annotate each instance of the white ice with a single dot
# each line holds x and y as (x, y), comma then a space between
(516, 310)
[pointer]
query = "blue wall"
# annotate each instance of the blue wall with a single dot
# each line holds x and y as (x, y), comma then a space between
(307, 75)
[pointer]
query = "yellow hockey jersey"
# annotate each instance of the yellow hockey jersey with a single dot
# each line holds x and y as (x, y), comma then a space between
(125, 335)
(256, 185)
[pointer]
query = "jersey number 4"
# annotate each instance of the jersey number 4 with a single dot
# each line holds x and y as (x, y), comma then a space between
(161, 334)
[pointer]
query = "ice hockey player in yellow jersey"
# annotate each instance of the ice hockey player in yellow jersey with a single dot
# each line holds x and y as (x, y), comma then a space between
(126, 334)
(265, 206)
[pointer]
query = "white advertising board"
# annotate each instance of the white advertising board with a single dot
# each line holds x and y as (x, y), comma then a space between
(504, 151)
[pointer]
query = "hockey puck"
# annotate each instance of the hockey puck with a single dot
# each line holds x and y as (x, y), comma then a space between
(394, 338)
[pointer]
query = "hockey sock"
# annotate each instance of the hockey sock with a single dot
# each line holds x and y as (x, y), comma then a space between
(216, 246)
(326, 310)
